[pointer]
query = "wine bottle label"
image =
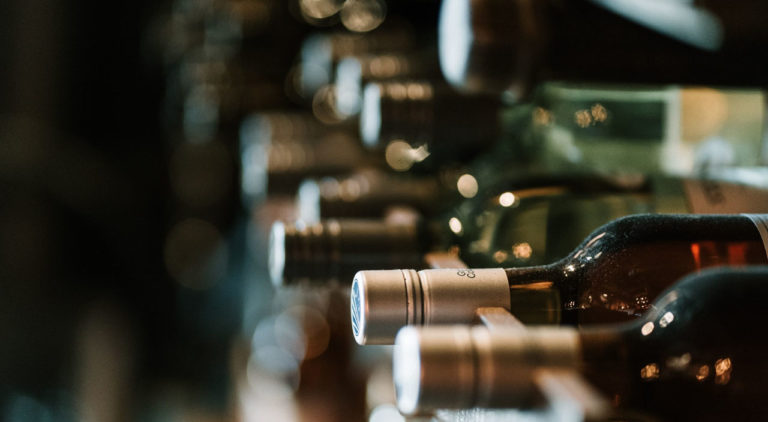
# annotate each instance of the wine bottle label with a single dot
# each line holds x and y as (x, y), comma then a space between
(714, 197)
(761, 221)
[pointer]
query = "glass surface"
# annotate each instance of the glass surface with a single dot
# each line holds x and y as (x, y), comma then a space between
(695, 355)
(617, 272)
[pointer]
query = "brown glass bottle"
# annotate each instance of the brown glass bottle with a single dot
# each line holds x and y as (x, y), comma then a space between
(625, 264)
(693, 355)
(612, 276)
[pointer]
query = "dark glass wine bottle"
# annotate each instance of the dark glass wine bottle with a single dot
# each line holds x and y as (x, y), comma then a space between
(612, 276)
(694, 355)
(353, 73)
(500, 45)
(504, 226)
(320, 52)
(568, 127)
(335, 249)
(280, 149)
(327, 249)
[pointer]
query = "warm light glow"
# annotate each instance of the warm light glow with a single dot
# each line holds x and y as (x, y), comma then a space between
(455, 225)
(350, 190)
(401, 156)
(704, 112)
(507, 199)
(599, 113)
(596, 114)
(696, 252)
(385, 66)
(666, 319)
(582, 118)
(650, 372)
(320, 9)
(702, 373)
(303, 331)
(500, 256)
(647, 328)
(542, 116)
(723, 370)
(522, 250)
(467, 186)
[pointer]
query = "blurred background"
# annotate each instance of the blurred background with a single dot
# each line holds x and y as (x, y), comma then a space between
(147, 148)
(133, 270)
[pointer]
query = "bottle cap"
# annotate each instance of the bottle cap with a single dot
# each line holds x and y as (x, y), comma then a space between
(384, 301)
(321, 52)
(490, 45)
(455, 367)
(354, 72)
(268, 140)
(336, 249)
(367, 193)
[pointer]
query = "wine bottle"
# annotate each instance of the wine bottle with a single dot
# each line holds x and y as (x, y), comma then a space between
(423, 114)
(368, 193)
(570, 127)
(542, 224)
(336, 249)
(279, 150)
(612, 276)
(353, 73)
(326, 243)
(693, 355)
(511, 46)
(511, 228)
(321, 52)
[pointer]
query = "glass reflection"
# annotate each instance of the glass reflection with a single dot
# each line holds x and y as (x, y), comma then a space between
(650, 372)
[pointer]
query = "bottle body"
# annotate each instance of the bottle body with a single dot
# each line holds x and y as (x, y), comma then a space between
(612, 276)
(693, 356)
(617, 271)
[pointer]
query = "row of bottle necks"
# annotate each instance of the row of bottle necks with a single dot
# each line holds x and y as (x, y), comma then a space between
(547, 182)
(686, 337)
(525, 220)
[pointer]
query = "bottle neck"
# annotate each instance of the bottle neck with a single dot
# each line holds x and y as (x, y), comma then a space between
(534, 296)
(336, 249)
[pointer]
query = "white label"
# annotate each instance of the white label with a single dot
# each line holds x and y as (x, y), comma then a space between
(761, 221)
(714, 197)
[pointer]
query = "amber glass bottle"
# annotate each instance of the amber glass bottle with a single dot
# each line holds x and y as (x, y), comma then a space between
(694, 355)
(612, 276)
